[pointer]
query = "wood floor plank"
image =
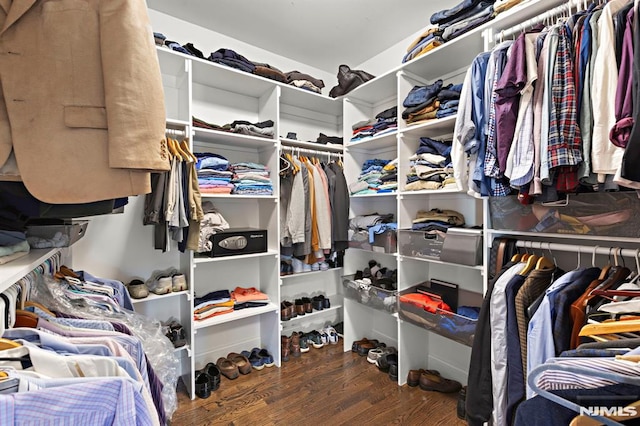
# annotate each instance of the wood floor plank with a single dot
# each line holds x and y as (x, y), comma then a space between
(323, 386)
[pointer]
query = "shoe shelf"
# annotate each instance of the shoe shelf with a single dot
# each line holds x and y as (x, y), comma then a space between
(235, 315)
(334, 307)
(153, 297)
(311, 145)
(292, 277)
(238, 257)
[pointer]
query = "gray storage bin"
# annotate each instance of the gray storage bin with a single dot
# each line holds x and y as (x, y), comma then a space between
(463, 246)
(420, 244)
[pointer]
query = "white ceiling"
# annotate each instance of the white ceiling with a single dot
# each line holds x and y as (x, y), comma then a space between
(323, 34)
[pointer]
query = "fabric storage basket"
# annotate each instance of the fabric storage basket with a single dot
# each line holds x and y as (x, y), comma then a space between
(63, 234)
(385, 242)
(448, 324)
(370, 295)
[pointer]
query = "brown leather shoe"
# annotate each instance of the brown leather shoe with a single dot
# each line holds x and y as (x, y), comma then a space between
(285, 312)
(295, 344)
(308, 305)
(433, 382)
(356, 344)
(241, 362)
(285, 343)
(227, 368)
(299, 307)
(413, 378)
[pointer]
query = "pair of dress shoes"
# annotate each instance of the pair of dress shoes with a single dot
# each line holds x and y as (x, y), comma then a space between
(207, 380)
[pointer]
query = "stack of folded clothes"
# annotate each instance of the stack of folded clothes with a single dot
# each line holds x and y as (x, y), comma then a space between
(430, 102)
(248, 298)
(211, 223)
(251, 179)
(370, 179)
(232, 59)
(364, 228)
(269, 71)
(437, 220)
(385, 122)
(451, 23)
(329, 140)
(13, 245)
(430, 166)
(263, 129)
(214, 176)
(304, 81)
(449, 98)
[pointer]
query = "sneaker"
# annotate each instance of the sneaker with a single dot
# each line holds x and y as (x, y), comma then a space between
(297, 265)
(178, 282)
(267, 358)
(324, 337)
(315, 339)
(137, 289)
(332, 335)
(256, 361)
(304, 342)
(161, 282)
(315, 267)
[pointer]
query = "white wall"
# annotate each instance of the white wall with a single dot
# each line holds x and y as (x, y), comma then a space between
(390, 58)
(209, 41)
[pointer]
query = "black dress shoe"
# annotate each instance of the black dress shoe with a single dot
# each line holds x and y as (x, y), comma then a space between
(203, 385)
(213, 372)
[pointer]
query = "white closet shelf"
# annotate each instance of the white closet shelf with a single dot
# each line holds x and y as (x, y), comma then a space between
(171, 62)
(382, 87)
(306, 274)
(229, 79)
(311, 145)
(236, 315)
(314, 313)
(386, 194)
(291, 95)
(234, 139)
(238, 257)
(547, 236)
(432, 127)
(440, 262)
(185, 348)
(387, 140)
(152, 296)
(429, 192)
(13, 271)
(239, 196)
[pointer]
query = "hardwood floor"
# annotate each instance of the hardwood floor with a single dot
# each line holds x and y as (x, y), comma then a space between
(323, 386)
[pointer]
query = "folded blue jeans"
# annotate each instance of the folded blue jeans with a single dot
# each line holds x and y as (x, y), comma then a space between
(448, 15)
(420, 94)
(433, 146)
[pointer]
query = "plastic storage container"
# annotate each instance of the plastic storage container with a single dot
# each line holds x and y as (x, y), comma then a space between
(448, 324)
(386, 242)
(56, 235)
(420, 244)
(370, 295)
(458, 245)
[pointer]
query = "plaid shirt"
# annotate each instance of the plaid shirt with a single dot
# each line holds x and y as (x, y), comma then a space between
(564, 146)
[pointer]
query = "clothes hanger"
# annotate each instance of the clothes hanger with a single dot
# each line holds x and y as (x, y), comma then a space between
(171, 144)
(184, 145)
(530, 264)
(39, 306)
(544, 262)
(611, 327)
(8, 344)
(26, 319)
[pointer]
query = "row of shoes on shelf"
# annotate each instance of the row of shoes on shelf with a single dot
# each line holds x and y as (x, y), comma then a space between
(160, 282)
(231, 366)
(302, 306)
(378, 353)
(175, 332)
(290, 265)
(300, 342)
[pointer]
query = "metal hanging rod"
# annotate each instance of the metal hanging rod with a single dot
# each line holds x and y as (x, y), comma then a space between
(295, 149)
(176, 132)
(564, 8)
(580, 249)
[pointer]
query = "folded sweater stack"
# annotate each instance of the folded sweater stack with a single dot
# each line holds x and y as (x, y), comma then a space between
(251, 179)
(384, 122)
(263, 129)
(431, 102)
(430, 166)
(376, 177)
(222, 302)
(214, 176)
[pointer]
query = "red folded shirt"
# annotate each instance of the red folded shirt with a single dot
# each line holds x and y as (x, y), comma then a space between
(425, 302)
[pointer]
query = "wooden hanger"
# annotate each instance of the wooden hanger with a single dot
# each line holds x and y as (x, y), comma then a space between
(289, 157)
(516, 257)
(8, 344)
(171, 144)
(545, 263)
(184, 145)
(26, 319)
(530, 265)
(611, 327)
(68, 272)
(39, 306)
